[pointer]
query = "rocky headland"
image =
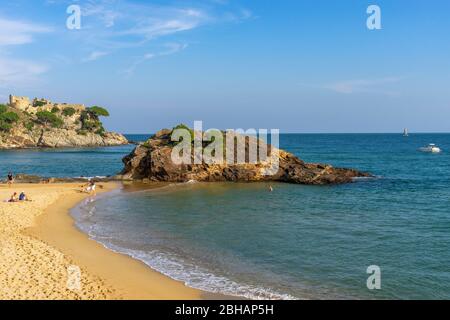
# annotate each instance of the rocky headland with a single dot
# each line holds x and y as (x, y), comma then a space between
(152, 161)
(43, 124)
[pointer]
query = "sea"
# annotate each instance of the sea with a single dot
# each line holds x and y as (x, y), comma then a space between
(297, 242)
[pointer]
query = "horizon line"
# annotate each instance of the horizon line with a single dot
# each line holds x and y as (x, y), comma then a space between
(318, 133)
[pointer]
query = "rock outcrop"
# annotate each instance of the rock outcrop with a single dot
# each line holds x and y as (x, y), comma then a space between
(152, 161)
(42, 124)
(59, 138)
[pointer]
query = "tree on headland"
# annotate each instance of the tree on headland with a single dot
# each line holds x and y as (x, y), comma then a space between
(68, 112)
(3, 108)
(7, 119)
(47, 118)
(98, 111)
(10, 116)
(90, 119)
(39, 103)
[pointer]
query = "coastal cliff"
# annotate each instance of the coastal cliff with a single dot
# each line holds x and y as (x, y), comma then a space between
(152, 160)
(43, 124)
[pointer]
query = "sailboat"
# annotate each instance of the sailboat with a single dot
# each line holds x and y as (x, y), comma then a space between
(405, 132)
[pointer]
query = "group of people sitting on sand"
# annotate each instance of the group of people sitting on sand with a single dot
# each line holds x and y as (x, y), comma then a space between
(15, 197)
(18, 198)
(90, 188)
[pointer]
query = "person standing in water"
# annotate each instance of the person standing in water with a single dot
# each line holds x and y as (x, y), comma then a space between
(270, 188)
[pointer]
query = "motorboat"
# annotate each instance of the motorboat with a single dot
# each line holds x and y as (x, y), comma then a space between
(432, 148)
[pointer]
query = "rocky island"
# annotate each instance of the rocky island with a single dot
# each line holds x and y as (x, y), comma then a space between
(40, 123)
(152, 161)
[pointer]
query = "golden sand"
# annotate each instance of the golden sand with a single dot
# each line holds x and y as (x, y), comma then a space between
(40, 248)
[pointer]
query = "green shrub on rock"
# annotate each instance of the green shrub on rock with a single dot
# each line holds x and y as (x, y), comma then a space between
(90, 125)
(47, 118)
(100, 131)
(7, 119)
(4, 126)
(10, 117)
(98, 111)
(68, 112)
(39, 103)
(29, 125)
(3, 108)
(82, 132)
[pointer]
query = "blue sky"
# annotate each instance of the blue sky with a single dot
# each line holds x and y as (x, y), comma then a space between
(296, 65)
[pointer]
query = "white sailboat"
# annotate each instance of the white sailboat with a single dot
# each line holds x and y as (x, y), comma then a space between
(405, 132)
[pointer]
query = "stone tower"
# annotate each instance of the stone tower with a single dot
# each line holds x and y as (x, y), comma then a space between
(21, 103)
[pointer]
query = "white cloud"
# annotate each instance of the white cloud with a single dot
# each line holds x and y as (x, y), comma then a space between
(114, 20)
(364, 85)
(159, 27)
(104, 10)
(109, 26)
(95, 55)
(112, 25)
(15, 72)
(119, 24)
(169, 49)
(13, 32)
(172, 48)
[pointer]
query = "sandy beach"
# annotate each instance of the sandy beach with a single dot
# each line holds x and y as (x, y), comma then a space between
(41, 252)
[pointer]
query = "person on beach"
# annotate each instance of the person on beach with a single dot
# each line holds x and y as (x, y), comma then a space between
(23, 197)
(10, 179)
(13, 197)
(91, 187)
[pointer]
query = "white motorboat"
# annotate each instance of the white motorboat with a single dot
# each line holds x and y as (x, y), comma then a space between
(432, 148)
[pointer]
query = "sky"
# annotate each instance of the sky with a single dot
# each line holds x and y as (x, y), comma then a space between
(308, 66)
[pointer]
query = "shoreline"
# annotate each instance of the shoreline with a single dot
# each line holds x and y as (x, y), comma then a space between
(63, 147)
(50, 231)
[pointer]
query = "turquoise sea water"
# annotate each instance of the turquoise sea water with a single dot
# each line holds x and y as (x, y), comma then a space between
(296, 242)
(68, 162)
